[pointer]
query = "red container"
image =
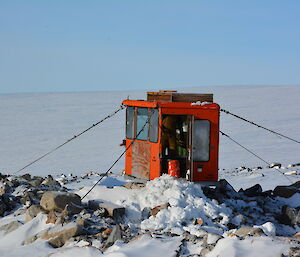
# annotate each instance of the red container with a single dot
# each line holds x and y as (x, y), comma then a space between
(174, 168)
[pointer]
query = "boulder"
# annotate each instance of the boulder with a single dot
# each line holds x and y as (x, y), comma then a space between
(156, 209)
(253, 191)
(212, 238)
(4, 188)
(113, 210)
(296, 184)
(134, 185)
(51, 217)
(49, 181)
(285, 191)
(35, 182)
(7, 228)
(57, 201)
(59, 235)
(290, 216)
(116, 234)
(249, 231)
(32, 212)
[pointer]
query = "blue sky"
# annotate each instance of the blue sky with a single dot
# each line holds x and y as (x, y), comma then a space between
(52, 46)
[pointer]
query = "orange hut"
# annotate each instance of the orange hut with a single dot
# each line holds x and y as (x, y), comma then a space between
(171, 131)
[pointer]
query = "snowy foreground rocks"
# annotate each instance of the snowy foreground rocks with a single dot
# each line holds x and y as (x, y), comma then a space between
(169, 216)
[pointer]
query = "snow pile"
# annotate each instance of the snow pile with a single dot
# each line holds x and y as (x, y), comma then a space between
(249, 247)
(186, 203)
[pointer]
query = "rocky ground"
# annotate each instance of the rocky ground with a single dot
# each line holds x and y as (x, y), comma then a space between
(199, 220)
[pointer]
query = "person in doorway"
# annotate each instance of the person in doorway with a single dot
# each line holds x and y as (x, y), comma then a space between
(169, 136)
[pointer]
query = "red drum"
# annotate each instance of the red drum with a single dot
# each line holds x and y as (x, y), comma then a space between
(174, 168)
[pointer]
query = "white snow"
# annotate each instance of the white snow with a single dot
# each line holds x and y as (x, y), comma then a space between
(250, 247)
(147, 246)
(186, 201)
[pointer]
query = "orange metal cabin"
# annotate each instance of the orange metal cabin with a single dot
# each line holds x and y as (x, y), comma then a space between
(183, 127)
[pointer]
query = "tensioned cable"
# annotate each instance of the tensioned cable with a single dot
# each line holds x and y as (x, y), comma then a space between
(127, 148)
(255, 124)
(69, 140)
(248, 150)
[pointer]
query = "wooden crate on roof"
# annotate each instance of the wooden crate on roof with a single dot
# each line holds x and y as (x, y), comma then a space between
(173, 96)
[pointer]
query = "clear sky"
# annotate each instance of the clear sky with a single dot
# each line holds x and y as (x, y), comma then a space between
(51, 46)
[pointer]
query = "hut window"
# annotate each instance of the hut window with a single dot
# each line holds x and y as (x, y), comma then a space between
(201, 140)
(130, 123)
(141, 129)
(153, 130)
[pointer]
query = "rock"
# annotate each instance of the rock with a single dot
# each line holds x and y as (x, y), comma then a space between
(58, 235)
(248, 231)
(3, 207)
(101, 212)
(223, 190)
(275, 165)
(32, 212)
(289, 216)
(156, 209)
(116, 234)
(27, 198)
(4, 188)
(36, 181)
(212, 238)
(198, 221)
(113, 210)
(82, 222)
(33, 238)
(106, 233)
(238, 220)
(7, 203)
(146, 213)
(285, 191)
(49, 181)
(296, 184)
(10, 227)
(297, 235)
(51, 217)
(205, 250)
(253, 191)
(57, 201)
(134, 185)
(26, 176)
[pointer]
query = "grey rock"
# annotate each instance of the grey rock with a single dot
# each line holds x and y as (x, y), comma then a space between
(57, 201)
(49, 181)
(290, 216)
(59, 234)
(36, 182)
(249, 231)
(146, 213)
(32, 212)
(253, 191)
(285, 191)
(116, 234)
(4, 188)
(113, 210)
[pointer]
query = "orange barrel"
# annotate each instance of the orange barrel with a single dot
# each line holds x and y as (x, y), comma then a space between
(174, 168)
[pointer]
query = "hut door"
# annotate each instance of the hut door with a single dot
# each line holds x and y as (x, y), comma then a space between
(189, 158)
